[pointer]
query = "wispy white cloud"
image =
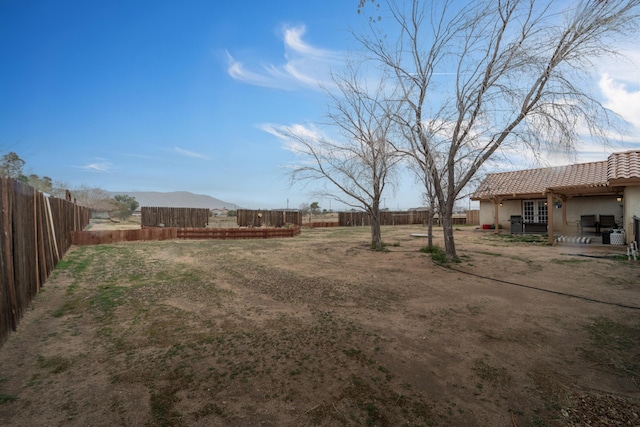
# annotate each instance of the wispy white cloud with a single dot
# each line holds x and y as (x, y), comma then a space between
(188, 153)
(285, 133)
(100, 166)
(305, 131)
(237, 71)
(304, 66)
(619, 86)
(623, 67)
(620, 99)
(293, 42)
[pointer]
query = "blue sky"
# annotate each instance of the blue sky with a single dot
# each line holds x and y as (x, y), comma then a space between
(167, 95)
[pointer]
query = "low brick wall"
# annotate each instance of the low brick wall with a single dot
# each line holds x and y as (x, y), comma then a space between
(321, 224)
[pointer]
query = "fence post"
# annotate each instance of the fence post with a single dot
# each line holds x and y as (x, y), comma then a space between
(35, 238)
(8, 253)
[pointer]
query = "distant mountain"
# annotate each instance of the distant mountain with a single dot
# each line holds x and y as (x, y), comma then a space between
(176, 199)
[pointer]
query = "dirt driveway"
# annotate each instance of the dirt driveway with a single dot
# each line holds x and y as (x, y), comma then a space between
(319, 330)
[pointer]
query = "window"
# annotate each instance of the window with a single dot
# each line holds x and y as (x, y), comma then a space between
(535, 211)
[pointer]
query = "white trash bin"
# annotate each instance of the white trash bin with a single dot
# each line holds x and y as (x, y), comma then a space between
(617, 237)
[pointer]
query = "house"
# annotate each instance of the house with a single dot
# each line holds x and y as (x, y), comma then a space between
(220, 212)
(102, 209)
(565, 200)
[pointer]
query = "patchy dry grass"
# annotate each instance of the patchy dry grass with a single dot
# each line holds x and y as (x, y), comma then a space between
(615, 346)
(318, 330)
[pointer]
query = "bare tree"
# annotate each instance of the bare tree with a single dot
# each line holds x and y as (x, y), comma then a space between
(93, 198)
(480, 77)
(59, 189)
(428, 197)
(358, 167)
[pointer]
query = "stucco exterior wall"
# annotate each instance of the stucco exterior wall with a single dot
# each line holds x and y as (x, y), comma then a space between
(594, 205)
(631, 208)
(508, 208)
(576, 206)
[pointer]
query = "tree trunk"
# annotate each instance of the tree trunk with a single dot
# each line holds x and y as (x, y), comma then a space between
(430, 228)
(446, 219)
(376, 235)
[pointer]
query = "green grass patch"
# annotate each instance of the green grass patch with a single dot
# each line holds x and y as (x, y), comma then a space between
(374, 415)
(614, 346)
(73, 264)
(488, 253)
(69, 307)
(165, 399)
(53, 364)
(6, 398)
(517, 238)
(163, 409)
(384, 246)
(568, 261)
(106, 299)
(438, 255)
(619, 257)
(494, 375)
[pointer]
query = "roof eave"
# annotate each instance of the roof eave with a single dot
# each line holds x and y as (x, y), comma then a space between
(625, 181)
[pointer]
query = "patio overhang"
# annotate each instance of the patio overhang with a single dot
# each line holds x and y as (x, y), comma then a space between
(590, 190)
(569, 191)
(563, 193)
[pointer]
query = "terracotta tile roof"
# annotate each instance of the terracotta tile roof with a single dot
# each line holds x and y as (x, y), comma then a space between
(537, 181)
(624, 166)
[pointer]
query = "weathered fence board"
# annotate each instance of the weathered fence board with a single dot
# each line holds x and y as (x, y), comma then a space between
(323, 224)
(8, 304)
(386, 218)
(36, 233)
(346, 219)
(237, 233)
(174, 217)
(100, 237)
(266, 218)
(84, 238)
(473, 217)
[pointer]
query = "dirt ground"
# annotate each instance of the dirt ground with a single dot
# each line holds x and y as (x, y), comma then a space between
(319, 330)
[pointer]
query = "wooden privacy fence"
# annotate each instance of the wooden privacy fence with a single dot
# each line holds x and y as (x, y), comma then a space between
(100, 237)
(386, 218)
(403, 218)
(174, 217)
(456, 219)
(36, 233)
(275, 218)
(473, 217)
(83, 238)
